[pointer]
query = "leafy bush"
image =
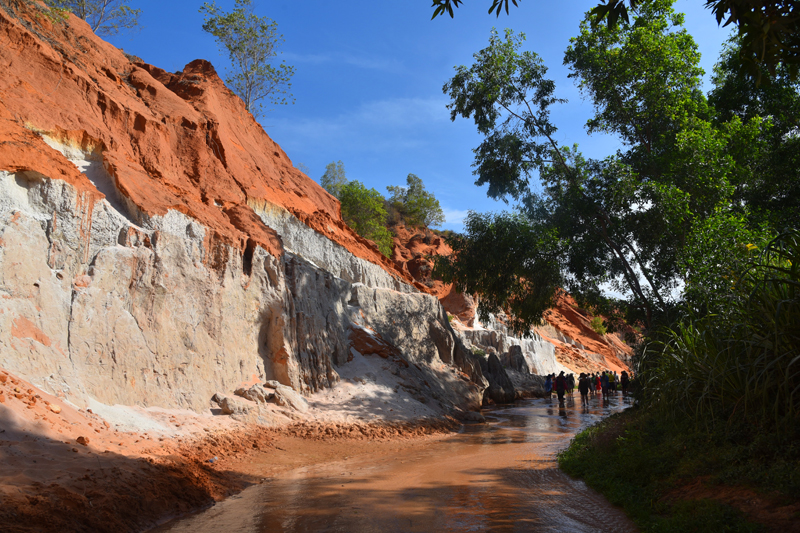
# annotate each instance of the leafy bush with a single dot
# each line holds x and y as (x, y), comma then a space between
(597, 325)
(415, 205)
(363, 210)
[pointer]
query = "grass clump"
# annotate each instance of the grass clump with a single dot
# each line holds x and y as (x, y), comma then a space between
(665, 475)
(718, 406)
(743, 361)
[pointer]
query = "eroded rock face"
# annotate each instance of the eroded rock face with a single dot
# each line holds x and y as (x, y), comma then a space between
(157, 247)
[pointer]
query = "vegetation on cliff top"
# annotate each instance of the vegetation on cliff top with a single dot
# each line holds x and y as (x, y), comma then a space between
(105, 17)
(370, 214)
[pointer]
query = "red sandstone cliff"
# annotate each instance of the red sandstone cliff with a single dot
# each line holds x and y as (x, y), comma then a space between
(171, 141)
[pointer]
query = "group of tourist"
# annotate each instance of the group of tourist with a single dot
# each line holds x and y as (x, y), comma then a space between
(605, 383)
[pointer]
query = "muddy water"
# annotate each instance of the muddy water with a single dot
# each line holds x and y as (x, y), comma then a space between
(498, 476)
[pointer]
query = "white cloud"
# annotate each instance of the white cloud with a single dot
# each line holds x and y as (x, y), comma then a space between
(454, 216)
(383, 64)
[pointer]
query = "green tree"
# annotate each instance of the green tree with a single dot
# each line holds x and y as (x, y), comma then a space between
(769, 29)
(627, 222)
(252, 44)
(363, 210)
(105, 17)
(334, 178)
(511, 262)
(772, 190)
(417, 206)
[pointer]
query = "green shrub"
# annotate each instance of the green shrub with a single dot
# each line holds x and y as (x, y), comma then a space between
(362, 210)
(598, 326)
(641, 462)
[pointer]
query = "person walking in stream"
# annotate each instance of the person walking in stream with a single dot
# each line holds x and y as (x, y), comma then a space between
(561, 387)
(624, 380)
(548, 386)
(583, 387)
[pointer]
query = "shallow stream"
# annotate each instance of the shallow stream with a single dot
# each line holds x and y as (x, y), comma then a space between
(497, 476)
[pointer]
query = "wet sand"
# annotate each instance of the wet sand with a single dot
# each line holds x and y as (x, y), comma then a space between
(498, 476)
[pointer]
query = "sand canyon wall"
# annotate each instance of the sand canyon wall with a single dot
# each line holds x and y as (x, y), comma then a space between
(156, 246)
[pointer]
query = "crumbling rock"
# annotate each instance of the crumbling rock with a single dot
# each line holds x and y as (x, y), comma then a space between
(234, 406)
(287, 397)
(256, 393)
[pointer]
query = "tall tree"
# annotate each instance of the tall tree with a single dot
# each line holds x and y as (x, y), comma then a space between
(334, 178)
(252, 44)
(105, 17)
(628, 222)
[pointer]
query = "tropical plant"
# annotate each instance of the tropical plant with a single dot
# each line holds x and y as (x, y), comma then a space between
(252, 43)
(745, 361)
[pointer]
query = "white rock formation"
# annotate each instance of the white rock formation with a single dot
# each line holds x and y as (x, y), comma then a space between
(101, 303)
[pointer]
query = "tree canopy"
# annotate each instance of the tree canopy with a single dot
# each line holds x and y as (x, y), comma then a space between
(334, 178)
(648, 229)
(363, 210)
(252, 43)
(769, 29)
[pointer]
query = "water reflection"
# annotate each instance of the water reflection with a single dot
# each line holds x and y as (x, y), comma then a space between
(498, 476)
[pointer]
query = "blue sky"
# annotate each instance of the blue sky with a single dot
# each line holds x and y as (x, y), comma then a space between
(369, 76)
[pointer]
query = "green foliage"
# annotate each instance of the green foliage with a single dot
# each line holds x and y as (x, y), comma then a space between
(105, 17)
(769, 30)
(772, 189)
(416, 206)
(446, 6)
(639, 461)
(616, 68)
(363, 210)
(598, 326)
(742, 362)
(251, 43)
(512, 263)
(334, 178)
(638, 222)
(600, 208)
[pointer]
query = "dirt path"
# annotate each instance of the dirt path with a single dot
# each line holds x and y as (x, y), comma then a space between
(498, 476)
